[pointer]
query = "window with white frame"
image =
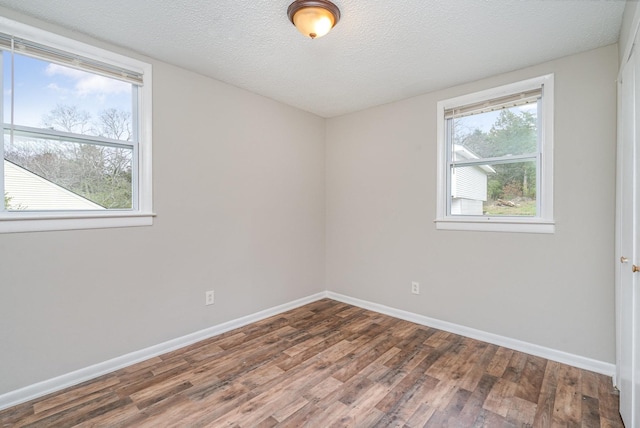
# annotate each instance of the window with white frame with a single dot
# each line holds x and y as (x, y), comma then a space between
(76, 123)
(495, 159)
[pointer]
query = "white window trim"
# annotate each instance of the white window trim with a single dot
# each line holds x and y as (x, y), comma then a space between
(34, 221)
(544, 221)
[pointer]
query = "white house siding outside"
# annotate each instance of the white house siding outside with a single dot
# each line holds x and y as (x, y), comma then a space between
(460, 206)
(468, 184)
(28, 191)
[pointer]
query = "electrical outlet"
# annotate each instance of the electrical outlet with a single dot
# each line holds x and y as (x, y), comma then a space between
(208, 298)
(415, 287)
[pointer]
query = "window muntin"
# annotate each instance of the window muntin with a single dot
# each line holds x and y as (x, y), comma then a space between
(495, 159)
(76, 134)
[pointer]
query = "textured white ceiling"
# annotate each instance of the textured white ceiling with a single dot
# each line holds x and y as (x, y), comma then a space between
(380, 51)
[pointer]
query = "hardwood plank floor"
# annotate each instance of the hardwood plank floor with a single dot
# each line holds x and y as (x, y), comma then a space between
(329, 364)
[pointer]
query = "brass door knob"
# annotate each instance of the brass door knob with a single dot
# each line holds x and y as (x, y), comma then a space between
(635, 268)
(623, 259)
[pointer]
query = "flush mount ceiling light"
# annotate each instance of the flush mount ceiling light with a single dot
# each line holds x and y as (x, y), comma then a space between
(313, 18)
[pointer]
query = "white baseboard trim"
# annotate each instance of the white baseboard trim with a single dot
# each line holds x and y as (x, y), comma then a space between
(40, 389)
(507, 342)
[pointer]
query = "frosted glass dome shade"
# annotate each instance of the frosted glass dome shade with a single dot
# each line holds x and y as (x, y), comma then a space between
(313, 18)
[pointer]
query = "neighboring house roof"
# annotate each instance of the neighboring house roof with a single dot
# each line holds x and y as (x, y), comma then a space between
(467, 154)
(29, 191)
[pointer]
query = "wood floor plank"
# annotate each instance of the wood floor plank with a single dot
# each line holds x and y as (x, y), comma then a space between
(13, 416)
(79, 413)
(288, 410)
(413, 399)
(118, 416)
(516, 366)
(439, 419)
(457, 402)
(261, 375)
(167, 413)
(473, 409)
(546, 400)
(441, 396)
(357, 419)
(608, 398)
(499, 362)
(133, 386)
(149, 396)
(75, 395)
(568, 402)
(327, 386)
(522, 412)
(300, 418)
(531, 379)
(421, 416)
(354, 388)
(334, 413)
(500, 396)
(329, 364)
(365, 355)
(366, 403)
(487, 418)
(590, 384)
(590, 412)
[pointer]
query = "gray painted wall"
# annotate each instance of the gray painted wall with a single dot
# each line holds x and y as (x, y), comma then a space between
(554, 290)
(239, 193)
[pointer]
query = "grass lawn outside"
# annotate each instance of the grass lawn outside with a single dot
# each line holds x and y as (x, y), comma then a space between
(522, 208)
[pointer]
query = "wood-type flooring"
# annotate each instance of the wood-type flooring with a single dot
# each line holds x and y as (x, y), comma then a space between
(329, 364)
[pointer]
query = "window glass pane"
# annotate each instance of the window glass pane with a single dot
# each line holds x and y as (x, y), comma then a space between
(53, 96)
(494, 190)
(45, 174)
(504, 132)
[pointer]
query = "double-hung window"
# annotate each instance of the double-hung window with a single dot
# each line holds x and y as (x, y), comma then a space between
(76, 122)
(495, 159)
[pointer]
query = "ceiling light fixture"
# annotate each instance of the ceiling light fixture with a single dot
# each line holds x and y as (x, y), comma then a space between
(313, 18)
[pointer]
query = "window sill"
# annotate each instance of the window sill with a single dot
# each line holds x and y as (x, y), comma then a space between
(43, 222)
(497, 224)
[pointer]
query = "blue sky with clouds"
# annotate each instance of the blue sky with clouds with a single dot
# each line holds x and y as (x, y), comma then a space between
(40, 86)
(484, 121)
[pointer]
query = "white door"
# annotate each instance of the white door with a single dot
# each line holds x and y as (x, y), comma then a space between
(628, 243)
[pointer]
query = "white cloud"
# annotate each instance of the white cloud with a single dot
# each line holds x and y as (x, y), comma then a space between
(55, 70)
(528, 107)
(87, 83)
(95, 84)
